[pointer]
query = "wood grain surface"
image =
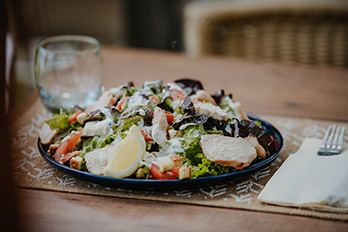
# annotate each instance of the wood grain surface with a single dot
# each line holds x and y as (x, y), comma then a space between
(55, 211)
(263, 88)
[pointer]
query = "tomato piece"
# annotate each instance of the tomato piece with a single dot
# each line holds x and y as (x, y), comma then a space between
(170, 117)
(112, 101)
(146, 135)
(175, 171)
(73, 117)
(168, 175)
(67, 146)
(120, 104)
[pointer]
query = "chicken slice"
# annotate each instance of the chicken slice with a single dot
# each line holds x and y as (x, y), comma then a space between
(177, 94)
(105, 100)
(202, 96)
(97, 159)
(159, 126)
(98, 128)
(211, 110)
(228, 151)
(237, 108)
(261, 152)
(46, 134)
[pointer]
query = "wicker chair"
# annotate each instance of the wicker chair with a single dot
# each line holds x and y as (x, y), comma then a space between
(307, 32)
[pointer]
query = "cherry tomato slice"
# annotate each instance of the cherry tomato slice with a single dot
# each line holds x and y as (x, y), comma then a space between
(67, 146)
(146, 135)
(120, 104)
(73, 117)
(168, 175)
(170, 117)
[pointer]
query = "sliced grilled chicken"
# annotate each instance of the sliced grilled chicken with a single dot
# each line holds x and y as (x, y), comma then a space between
(237, 108)
(98, 128)
(46, 134)
(202, 96)
(159, 126)
(177, 94)
(105, 100)
(167, 163)
(97, 159)
(211, 110)
(261, 152)
(228, 151)
(240, 111)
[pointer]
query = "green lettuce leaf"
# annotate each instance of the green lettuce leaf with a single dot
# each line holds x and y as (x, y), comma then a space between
(226, 106)
(107, 140)
(258, 123)
(216, 132)
(130, 91)
(207, 168)
(192, 136)
(127, 123)
(89, 144)
(166, 105)
(59, 122)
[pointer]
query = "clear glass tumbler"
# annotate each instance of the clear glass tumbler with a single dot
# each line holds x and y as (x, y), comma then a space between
(68, 71)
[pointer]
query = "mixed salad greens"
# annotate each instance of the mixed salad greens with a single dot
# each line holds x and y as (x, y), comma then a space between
(172, 119)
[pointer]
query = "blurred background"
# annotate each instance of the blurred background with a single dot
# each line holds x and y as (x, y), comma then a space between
(306, 32)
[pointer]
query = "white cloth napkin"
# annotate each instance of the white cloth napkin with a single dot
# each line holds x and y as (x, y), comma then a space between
(311, 181)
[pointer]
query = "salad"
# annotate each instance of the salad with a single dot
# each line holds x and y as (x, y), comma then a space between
(157, 131)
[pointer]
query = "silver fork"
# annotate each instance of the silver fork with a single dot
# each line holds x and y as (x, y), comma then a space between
(333, 141)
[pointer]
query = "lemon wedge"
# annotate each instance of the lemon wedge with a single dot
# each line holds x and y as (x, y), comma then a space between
(125, 158)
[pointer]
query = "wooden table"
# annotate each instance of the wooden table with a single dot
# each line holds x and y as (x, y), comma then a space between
(318, 92)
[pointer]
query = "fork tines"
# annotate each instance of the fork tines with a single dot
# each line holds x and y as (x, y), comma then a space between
(333, 140)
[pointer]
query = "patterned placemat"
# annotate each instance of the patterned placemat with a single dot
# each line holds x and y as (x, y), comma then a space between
(31, 171)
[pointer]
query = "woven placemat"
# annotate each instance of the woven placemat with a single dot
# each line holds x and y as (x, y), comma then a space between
(31, 171)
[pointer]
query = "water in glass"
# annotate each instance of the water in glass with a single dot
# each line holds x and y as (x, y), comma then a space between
(68, 72)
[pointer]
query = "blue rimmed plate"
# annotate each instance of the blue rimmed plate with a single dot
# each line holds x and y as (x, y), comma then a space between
(142, 184)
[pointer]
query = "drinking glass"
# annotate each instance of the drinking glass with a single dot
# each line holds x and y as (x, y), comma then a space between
(68, 71)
